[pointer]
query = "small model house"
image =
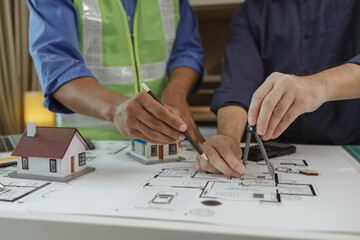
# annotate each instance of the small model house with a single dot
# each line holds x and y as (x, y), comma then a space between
(51, 153)
(148, 153)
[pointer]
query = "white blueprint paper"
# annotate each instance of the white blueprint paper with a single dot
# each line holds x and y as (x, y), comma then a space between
(121, 186)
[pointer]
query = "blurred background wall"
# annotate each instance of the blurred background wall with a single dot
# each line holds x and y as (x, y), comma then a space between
(17, 72)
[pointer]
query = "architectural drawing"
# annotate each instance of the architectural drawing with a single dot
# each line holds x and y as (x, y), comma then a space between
(176, 192)
(252, 187)
(163, 197)
(25, 190)
(173, 190)
(17, 189)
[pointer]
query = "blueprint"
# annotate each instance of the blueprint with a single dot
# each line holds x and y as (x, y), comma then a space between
(16, 189)
(290, 200)
(122, 187)
(169, 189)
(20, 194)
(253, 186)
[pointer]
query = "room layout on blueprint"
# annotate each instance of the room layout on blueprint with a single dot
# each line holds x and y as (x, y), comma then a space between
(123, 187)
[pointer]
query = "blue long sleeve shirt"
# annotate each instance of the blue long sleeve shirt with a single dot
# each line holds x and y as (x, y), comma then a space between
(295, 37)
(53, 36)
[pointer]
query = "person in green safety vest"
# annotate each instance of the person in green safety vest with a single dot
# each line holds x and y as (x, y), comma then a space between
(92, 57)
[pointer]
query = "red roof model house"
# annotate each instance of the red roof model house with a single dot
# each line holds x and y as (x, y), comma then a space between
(51, 153)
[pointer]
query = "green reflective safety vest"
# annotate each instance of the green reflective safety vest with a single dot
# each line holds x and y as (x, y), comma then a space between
(119, 61)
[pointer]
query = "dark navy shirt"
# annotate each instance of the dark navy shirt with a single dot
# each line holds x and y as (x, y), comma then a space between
(294, 37)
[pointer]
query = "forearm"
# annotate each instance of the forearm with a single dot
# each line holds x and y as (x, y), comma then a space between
(232, 121)
(339, 83)
(86, 96)
(182, 81)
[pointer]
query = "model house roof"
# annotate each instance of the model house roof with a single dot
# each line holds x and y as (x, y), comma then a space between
(48, 142)
(139, 141)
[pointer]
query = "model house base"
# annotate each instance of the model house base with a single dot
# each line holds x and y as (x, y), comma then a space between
(52, 179)
(150, 153)
(153, 161)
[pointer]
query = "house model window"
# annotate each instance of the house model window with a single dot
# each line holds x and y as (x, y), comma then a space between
(153, 150)
(53, 165)
(82, 159)
(25, 163)
(148, 153)
(172, 149)
(143, 150)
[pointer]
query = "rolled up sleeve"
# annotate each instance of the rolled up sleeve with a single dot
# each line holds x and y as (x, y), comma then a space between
(187, 51)
(53, 35)
(355, 59)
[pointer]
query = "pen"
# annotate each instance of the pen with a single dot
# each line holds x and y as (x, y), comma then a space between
(187, 136)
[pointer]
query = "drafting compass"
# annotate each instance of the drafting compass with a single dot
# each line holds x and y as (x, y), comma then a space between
(252, 130)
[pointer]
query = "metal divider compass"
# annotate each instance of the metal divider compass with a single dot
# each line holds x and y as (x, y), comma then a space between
(250, 131)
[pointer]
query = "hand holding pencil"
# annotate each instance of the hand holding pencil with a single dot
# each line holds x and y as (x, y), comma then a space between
(140, 117)
(187, 136)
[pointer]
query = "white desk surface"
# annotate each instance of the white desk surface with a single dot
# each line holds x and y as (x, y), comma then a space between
(19, 223)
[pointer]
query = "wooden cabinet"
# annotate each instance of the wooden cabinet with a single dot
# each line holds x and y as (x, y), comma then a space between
(214, 23)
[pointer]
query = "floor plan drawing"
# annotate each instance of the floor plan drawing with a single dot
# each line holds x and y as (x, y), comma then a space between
(17, 189)
(177, 192)
(253, 186)
(182, 192)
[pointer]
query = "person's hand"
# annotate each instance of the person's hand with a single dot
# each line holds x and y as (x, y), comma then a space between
(280, 100)
(179, 102)
(224, 154)
(142, 117)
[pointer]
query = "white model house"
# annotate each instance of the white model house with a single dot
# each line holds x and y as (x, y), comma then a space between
(51, 153)
(148, 153)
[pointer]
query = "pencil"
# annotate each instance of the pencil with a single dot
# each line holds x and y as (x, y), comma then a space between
(187, 136)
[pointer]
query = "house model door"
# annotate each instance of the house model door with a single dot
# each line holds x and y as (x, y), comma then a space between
(72, 164)
(161, 152)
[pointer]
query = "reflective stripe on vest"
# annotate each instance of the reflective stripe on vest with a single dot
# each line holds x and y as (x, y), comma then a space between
(107, 47)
